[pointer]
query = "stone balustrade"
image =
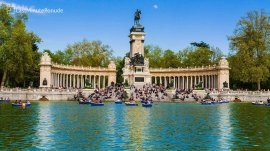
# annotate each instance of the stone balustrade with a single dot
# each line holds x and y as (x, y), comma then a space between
(81, 68)
(188, 69)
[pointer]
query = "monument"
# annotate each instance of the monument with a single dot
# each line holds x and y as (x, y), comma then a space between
(136, 70)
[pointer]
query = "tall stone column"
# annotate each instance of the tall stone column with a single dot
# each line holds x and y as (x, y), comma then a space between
(136, 70)
(223, 74)
(45, 71)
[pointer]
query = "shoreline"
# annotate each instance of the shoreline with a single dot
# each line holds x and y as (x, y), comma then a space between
(68, 95)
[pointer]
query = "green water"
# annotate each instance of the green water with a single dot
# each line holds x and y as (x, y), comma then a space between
(165, 126)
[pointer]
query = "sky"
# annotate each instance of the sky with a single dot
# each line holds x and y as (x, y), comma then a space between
(169, 24)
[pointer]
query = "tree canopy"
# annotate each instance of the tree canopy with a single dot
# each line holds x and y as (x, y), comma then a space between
(85, 53)
(189, 57)
(250, 46)
(18, 47)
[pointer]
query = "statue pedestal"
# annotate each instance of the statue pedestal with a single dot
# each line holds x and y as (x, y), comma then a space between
(137, 28)
(136, 75)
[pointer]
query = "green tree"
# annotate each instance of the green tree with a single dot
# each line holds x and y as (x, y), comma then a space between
(155, 56)
(119, 62)
(250, 46)
(200, 55)
(200, 44)
(88, 53)
(171, 60)
(17, 46)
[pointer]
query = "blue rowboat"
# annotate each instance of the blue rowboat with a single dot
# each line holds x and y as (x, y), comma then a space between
(206, 102)
(267, 104)
(86, 102)
(96, 104)
(20, 105)
(4, 101)
(147, 104)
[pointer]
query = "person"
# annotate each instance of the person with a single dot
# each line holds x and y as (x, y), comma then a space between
(268, 100)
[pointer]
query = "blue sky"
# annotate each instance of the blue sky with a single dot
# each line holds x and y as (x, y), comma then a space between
(169, 24)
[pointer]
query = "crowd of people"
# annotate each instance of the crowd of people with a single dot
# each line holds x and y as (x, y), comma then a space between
(184, 94)
(146, 92)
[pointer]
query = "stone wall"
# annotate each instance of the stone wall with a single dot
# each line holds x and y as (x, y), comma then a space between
(36, 94)
(246, 96)
(68, 94)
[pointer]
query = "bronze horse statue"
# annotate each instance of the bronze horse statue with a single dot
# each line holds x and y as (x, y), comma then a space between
(137, 17)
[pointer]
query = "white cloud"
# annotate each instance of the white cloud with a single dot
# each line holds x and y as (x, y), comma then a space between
(26, 9)
(155, 6)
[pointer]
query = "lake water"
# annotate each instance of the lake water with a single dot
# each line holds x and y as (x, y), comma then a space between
(165, 126)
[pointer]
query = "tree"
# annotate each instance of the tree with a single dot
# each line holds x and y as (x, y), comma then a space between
(120, 63)
(155, 56)
(170, 60)
(200, 44)
(17, 46)
(250, 46)
(88, 53)
(200, 55)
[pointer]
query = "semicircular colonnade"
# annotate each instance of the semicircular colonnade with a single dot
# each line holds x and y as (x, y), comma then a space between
(67, 76)
(211, 77)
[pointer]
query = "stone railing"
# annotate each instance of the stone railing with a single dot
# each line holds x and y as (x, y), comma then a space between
(38, 90)
(36, 94)
(80, 68)
(202, 68)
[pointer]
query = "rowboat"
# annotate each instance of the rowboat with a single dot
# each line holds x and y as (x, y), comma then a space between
(257, 103)
(131, 104)
(4, 101)
(118, 101)
(21, 104)
(84, 102)
(96, 104)
(147, 104)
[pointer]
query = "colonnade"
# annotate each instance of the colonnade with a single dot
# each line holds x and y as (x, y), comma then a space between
(67, 76)
(187, 82)
(79, 81)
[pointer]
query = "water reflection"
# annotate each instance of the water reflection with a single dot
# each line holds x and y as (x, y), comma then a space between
(136, 120)
(45, 129)
(224, 126)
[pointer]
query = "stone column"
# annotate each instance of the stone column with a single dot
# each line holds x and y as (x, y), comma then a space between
(104, 85)
(195, 80)
(95, 84)
(90, 80)
(77, 81)
(99, 81)
(57, 81)
(188, 82)
(165, 82)
(59, 85)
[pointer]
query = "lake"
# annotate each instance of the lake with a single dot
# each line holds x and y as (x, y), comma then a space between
(166, 126)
